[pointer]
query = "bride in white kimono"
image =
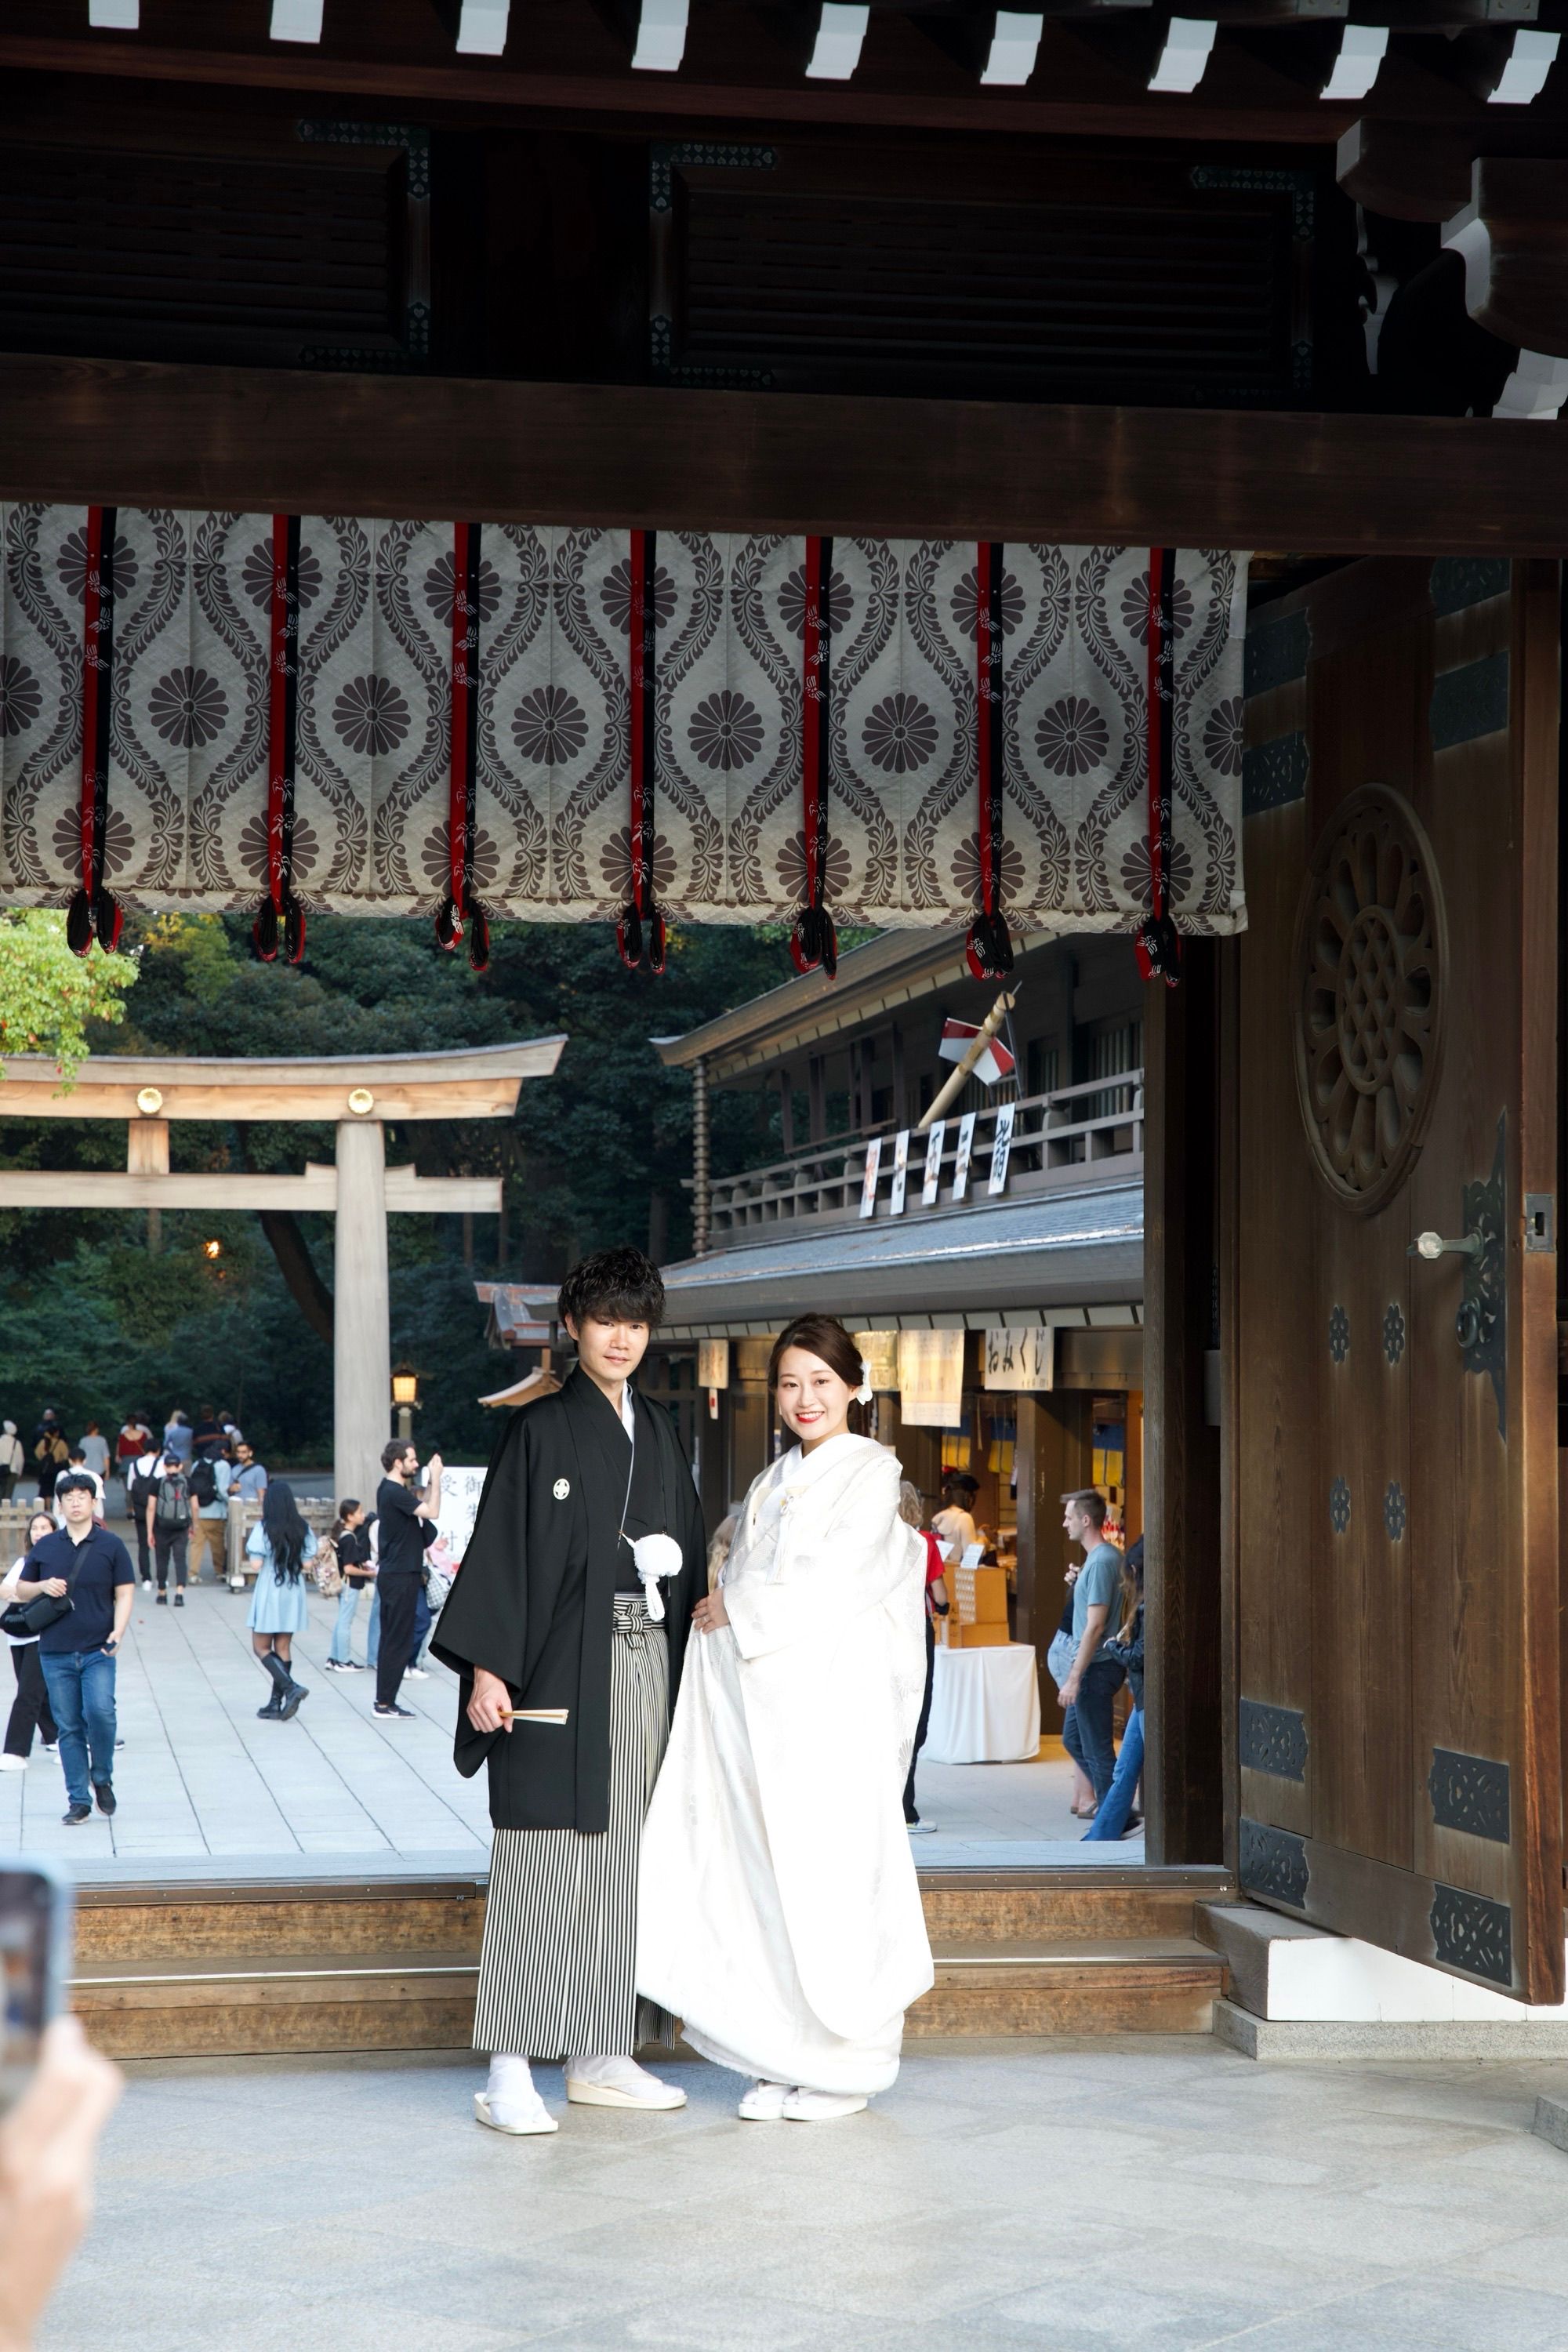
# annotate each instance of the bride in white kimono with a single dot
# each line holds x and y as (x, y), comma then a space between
(779, 1914)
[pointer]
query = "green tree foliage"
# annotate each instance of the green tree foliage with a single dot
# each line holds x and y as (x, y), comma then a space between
(48, 997)
(96, 1322)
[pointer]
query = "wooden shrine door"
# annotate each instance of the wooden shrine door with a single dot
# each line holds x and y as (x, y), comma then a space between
(1391, 1432)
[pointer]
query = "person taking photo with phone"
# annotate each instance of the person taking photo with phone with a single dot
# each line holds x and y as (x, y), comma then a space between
(90, 1569)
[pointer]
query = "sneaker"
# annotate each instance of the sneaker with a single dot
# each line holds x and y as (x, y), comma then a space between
(146, 1584)
(163, 1600)
(919, 1829)
(379, 1709)
(104, 1793)
(179, 1600)
(337, 1665)
(415, 1674)
(13, 1763)
(51, 1747)
(75, 1813)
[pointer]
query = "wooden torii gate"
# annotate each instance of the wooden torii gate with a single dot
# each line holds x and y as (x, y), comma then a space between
(358, 1094)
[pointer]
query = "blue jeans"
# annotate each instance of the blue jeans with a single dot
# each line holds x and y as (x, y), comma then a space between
(81, 1684)
(348, 1603)
(1112, 1819)
(1086, 1727)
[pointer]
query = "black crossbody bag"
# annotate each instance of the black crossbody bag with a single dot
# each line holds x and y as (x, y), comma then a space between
(24, 1620)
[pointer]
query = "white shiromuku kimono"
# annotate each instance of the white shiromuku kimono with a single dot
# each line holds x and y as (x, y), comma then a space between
(779, 1914)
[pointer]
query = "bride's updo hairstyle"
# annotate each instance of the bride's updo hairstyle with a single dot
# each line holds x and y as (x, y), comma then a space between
(823, 1336)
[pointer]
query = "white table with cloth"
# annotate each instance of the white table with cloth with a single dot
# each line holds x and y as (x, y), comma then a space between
(985, 1705)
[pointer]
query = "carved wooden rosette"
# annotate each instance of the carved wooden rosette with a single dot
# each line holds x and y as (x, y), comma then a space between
(1372, 962)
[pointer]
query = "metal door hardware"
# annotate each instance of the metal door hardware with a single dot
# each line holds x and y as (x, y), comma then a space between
(1480, 1327)
(1540, 1221)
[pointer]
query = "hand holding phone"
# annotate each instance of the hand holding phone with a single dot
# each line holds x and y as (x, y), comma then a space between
(35, 1954)
(48, 2146)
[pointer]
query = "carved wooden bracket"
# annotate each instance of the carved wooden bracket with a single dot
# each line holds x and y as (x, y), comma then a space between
(1513, 236)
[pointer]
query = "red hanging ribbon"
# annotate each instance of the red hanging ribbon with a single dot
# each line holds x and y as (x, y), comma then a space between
(1157, 941)
(631, 938)
(280, 913)
(814, 943)
(93, 912)
(461, 907)
(988, 948)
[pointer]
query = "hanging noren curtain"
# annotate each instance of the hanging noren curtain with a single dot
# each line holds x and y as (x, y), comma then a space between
(744, 816)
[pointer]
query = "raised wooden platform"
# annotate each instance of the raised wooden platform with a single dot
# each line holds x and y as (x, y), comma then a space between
(185, 1970)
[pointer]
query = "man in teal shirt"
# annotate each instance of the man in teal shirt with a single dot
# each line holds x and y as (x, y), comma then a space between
(1093, 1680)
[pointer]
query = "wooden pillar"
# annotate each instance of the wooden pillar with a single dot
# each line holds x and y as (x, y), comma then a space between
(1052, 1462)
(817, 1097)
(1183, 1777)
(786, 1111)
(362, 1324)
(147, 1154)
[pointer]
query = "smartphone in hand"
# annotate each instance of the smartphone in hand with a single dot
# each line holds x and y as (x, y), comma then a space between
(36, 1914)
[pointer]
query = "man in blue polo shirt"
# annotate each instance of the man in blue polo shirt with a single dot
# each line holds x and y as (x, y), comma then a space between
(83, 1563)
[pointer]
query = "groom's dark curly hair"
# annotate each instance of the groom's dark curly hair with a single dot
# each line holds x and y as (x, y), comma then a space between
(614, 1286)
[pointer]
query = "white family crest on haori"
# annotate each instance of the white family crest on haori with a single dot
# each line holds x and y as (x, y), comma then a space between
(779, 1912)
(561, 1489)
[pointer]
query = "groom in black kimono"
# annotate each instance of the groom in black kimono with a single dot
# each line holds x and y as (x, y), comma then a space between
(574, 1598)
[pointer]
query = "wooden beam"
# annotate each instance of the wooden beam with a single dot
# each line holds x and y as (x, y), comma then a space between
(317, 1190)
(481, 1082)
(1069, 97)
(254, 440)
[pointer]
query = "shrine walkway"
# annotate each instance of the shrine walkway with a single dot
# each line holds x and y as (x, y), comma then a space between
(200, 1780)
(1165, 2195)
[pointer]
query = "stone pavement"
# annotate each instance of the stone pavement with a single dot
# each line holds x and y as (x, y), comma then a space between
(200, 1776)
(1159, 2194)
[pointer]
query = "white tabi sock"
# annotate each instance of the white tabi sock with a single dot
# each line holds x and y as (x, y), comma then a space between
(510, 2081)
(610, 2073)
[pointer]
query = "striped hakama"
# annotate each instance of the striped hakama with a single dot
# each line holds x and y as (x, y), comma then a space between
(558, 1968)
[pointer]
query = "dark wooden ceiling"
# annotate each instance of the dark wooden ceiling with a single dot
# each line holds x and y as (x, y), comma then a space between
(920, 64)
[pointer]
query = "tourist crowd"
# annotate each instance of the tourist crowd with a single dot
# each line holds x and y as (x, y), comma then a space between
(67, 1598)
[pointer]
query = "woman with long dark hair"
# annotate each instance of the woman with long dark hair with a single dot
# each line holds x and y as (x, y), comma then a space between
(30, 1707)
(282, 1542)
(779, 1914)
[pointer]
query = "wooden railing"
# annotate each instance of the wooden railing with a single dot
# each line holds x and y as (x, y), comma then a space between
(1074, 1135)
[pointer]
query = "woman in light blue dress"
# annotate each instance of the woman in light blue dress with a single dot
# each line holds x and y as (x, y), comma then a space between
(282, 1542)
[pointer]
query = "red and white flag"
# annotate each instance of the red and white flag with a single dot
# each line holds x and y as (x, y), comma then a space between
(957, 1036)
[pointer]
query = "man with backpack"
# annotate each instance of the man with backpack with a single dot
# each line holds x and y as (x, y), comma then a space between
(169, 1526)
(141, 1490)
(209, 1481)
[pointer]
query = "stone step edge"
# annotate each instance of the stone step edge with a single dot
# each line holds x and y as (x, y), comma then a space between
(1312, 2042)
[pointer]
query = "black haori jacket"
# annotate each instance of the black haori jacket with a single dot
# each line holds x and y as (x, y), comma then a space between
(533, 1602)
